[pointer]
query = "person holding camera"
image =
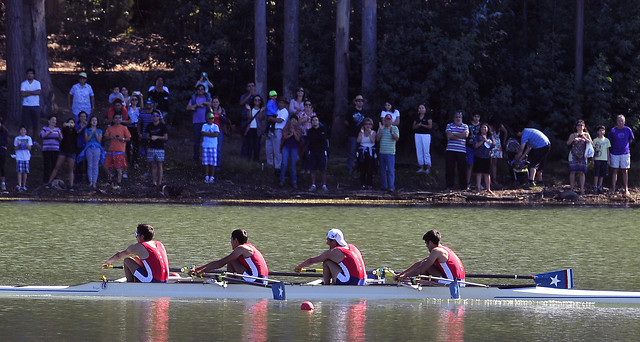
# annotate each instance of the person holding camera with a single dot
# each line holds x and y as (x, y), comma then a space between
(117, 136)
(68, 151)
(577, 159)
(204, 81)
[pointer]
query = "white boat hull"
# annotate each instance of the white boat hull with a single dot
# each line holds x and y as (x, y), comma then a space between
(315, 292)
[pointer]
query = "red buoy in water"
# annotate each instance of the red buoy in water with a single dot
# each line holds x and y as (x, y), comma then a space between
(306, 306)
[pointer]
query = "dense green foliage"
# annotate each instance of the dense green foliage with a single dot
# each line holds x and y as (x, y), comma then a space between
(482, 56)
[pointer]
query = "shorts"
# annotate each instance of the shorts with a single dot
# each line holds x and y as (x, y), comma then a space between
(470, 152)
(621, 161)
(143, 276)
(22, 166)
(352, 281)
(115, 160)
(601, 168)
(482, 165)
(317, 161)
(209, 156)
(155, 155)
(68, 155)
(254, 280)
(538, 156)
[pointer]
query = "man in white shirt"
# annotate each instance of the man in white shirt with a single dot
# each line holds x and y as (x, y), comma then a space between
(30, 92)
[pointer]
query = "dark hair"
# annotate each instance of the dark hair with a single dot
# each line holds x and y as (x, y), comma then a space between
(261, 100)
(81, 112)
(31, 70)
(601, 126)
(21, 127)
(117, 100)
(97, 120)
(293, 116)
(240, 235)
(584, 126)
(433, 236)
(52, 116)
(146, 231)
(200, 86)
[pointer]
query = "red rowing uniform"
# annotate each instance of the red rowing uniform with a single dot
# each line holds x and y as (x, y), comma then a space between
(453, 268)
(255, 264)
(353, 269)
(155, 268)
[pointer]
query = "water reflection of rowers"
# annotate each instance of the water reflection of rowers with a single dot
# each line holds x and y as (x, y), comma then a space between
(441, 262)
(245, 259)
(342, 263)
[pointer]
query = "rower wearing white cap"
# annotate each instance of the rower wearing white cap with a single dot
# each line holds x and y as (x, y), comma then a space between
(342, 264)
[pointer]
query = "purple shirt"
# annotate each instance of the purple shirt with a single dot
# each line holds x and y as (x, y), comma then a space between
(620, 140)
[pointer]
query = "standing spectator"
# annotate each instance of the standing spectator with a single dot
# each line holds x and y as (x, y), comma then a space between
(118, 107)
(456, 152)
(157, 135)
(204, 81)
(134, 116)
(537, 146)
(220, 119)
(304, 119)
(4, 142)
(251, 130)
(81, 167)
(422, 126)
(126, 99)
(210, 133)
(483, 144)
(389, 110)
(474, 129)
(93, 152)
(246, 103)
(68, 152)
(602, 159)
(30, 91)
(291, 139)
(366, 154)
(22, 144)
(199, 104)
(272, 146)
(145, 119)
(353, 120)
(620, 137)
(116, 94)
(577, 158)
(296, 106)
(499, 134)
(388, 135)
(51, 137)
(318, 138)
(117, 135)
(81, 97)
(160, 95)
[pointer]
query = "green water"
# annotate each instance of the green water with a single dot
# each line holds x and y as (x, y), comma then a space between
(43, 243)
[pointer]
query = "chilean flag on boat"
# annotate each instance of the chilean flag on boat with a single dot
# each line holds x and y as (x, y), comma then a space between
(557, 279)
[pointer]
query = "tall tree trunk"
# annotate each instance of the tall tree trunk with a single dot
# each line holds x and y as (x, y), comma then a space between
(15, 66)
(341, 72)
(291, 54)
(369, 47)
(40, 56)
(260, 43)
(579, 55)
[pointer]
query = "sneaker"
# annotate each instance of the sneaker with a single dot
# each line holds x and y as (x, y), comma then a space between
(24, 188)
(71, 190)
(324, 188)
(427, 171)
(363, 188)
(207, 179)
(124, 176)
(212, 180)
(420, 170)
(312, 187)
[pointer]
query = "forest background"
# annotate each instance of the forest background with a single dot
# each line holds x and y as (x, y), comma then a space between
(542, 63)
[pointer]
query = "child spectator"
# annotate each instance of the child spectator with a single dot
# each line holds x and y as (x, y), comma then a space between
(157, 135)
(317, 136)
(22, 144)
(210, 133)
(117, 135)
(116, 95)
(366, 154)
(483, 143)
(601, 157)
(4, 141)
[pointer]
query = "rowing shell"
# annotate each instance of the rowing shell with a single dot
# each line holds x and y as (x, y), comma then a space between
(223, 290)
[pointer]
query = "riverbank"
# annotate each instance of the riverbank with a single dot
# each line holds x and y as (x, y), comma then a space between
(243, 182)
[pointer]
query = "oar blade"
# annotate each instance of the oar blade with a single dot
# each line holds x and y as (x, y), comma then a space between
(562, 279)
(278, 291)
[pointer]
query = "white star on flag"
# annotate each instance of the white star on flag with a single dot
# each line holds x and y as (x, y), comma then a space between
(555, 280)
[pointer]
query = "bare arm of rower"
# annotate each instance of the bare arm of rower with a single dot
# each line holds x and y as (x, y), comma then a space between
(240, 251)
(422, 266)
(135, 249)
(332, 254)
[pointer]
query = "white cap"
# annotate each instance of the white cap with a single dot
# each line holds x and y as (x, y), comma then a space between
(336, 234)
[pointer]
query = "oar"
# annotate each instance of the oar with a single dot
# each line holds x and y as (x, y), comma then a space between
(429, 277)
(556, 279)
(121, 267)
